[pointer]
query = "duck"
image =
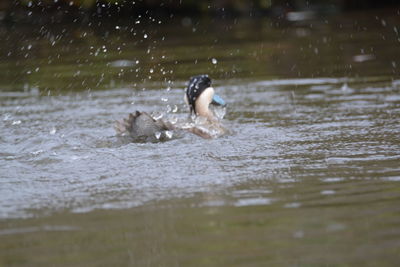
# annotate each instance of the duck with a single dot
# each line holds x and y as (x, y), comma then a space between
(199, 96)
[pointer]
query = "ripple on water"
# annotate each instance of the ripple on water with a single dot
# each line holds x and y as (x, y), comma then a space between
(253, 201)
(33, 229)
(285, 133)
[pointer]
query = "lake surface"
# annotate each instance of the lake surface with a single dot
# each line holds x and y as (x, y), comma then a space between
(308, 176)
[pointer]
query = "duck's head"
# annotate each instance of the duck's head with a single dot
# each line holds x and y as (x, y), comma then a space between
(199, 95)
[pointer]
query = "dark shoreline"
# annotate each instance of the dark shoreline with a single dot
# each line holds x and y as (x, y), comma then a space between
(64, 12)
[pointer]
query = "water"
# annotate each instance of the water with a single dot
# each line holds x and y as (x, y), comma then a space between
(309, 174)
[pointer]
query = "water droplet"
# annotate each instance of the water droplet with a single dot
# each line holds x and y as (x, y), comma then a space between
(175, 109)
(17, 122)
(6, 117)
(169, 134)
(117, 27)
(158, 135)
(145, 36)
(214, 61)
(35, 153)
(157, 116)
(53, 131)
(173, 120)
(164, 99)
(151, 71)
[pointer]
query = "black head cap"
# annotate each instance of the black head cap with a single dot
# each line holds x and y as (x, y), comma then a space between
(197, 85)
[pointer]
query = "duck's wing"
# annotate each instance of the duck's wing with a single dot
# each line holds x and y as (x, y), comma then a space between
(124, 127)
(141, 124)
(165, 125)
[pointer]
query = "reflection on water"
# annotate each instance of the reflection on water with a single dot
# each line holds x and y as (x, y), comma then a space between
(308, 176)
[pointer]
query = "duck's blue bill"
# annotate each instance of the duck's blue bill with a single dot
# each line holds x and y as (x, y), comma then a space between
(217, 100)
